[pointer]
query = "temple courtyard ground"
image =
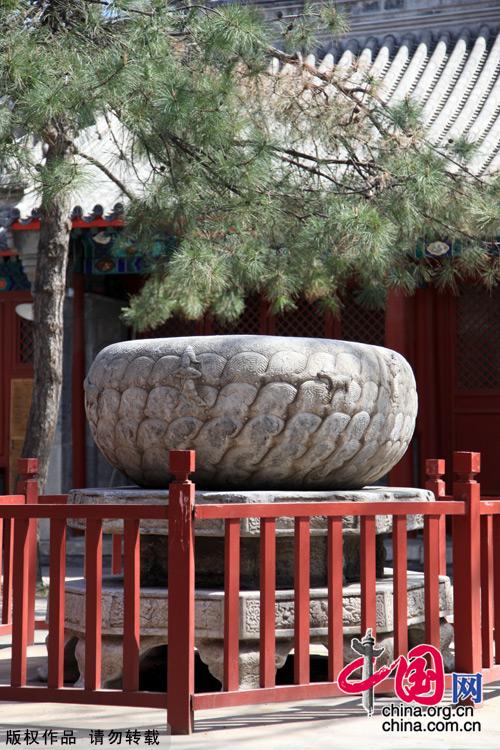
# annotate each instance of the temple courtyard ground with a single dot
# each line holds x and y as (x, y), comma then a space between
(335, 724)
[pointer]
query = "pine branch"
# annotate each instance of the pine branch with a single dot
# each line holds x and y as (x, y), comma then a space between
(104, 169)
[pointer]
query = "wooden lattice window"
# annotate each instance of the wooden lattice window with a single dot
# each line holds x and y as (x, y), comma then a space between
(362, 324)
(25, 341)
(175, 326)
(478, 339)
(306, 320)
(248, 323)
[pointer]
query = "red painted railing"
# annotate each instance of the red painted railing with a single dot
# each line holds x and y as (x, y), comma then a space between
(476, 569)
(20, 514)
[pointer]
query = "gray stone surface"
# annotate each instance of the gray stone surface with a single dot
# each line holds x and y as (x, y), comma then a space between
(209, 548)
(261, 411)
(209, 561)
(209, 622)
(251, 526)
(209, 608)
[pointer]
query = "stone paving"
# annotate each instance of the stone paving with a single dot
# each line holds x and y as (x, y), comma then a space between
(335, 724)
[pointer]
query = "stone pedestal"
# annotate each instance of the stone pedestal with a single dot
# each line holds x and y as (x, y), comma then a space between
(209, 623)
(209, 549)
(209, 566)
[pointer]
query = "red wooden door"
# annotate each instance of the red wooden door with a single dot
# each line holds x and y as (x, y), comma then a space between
(453, 346)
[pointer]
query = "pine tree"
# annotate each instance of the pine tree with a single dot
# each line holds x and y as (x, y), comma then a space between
(60, 66)
(266, 173)
(281, 178)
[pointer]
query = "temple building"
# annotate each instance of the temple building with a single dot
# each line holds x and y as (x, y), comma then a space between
(444, 54)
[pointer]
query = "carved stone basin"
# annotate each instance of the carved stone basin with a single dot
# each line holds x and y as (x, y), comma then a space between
(260, 411)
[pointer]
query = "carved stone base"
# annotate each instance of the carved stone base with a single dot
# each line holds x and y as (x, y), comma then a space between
(209, 622)
(209, 560)
(111, 658)
(212, 654)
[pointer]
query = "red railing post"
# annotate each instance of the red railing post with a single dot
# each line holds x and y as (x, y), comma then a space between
(20, 601)
(335, 590)
(231, 679)
(267, 602)
(132, 604)
(27, 485)
(466, 564)
(435, 469)
(55, 644)
(487, 590)
(301, 619)
(93, 603)
(431, 577)
(180, 663)
(400, 583)
(368, 574)
(8, 565)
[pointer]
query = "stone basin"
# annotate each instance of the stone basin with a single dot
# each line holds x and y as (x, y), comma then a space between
(262, 412)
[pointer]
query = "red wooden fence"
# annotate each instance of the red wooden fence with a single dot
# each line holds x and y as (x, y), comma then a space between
(476, 568)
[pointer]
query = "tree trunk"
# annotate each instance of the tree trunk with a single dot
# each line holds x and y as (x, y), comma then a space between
(48, 296)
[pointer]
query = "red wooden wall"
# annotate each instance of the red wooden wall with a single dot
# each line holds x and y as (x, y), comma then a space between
(16, 346)
(454, 349)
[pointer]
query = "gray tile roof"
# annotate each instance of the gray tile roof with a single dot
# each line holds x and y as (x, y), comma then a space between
(456, 78)
(375, 18)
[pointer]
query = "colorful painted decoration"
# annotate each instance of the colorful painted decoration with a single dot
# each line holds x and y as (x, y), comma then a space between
(106, 251)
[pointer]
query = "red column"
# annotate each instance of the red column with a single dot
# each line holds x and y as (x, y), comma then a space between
(78, 376)
(332, 326)
(433, 349)
(267, 322)
(397, 337)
